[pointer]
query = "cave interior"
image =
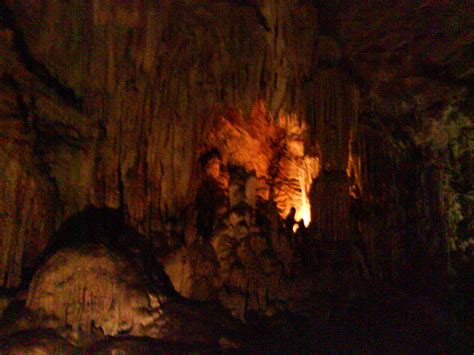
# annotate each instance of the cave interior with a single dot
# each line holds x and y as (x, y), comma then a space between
(199, 175)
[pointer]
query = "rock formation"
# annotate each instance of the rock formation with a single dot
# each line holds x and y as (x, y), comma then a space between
(90, 292)
(282, 158)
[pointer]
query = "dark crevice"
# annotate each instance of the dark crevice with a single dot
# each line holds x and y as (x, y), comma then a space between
(58, 133)
(441, 73)
(65, 94)
(261, 19)
(120, 187)
(106, 226)
(20, 100)
(41, 163)
(327, 18)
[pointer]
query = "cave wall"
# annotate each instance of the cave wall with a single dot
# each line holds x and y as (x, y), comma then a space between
(130, 91)
(109, 104)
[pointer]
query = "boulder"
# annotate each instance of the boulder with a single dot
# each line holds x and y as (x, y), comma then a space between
(90, 290)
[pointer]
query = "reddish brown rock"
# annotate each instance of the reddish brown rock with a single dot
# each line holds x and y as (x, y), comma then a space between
(110, 105)
(90, 290)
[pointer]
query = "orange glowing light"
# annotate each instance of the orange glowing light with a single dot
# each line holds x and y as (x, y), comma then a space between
(295, 227)
(303, 212)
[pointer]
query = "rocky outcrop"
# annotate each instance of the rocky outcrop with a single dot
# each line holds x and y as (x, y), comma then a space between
(89, 292)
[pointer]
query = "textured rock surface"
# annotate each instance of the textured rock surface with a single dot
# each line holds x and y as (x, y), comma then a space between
(128, 92)
(38, 342)
(113, 105)
(90, 290)
(254, 262)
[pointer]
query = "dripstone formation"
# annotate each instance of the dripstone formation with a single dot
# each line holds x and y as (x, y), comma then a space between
(284, 175)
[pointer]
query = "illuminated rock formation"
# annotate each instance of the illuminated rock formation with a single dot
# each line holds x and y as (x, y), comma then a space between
(274, 156)
(89, 292)
(119, 118)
